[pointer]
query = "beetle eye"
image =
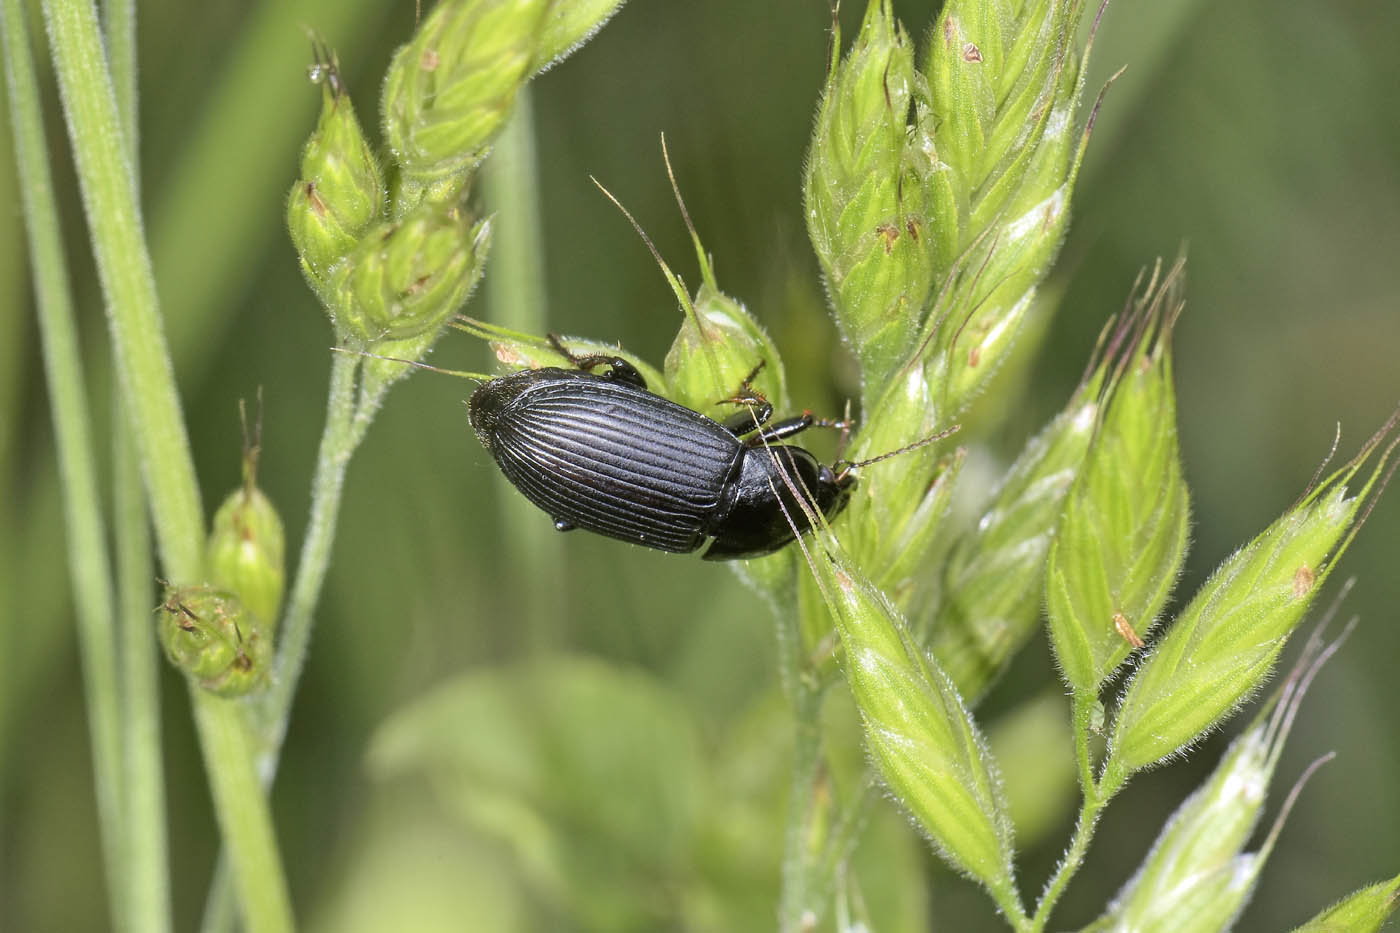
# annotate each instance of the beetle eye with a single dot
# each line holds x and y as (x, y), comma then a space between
(825, 476)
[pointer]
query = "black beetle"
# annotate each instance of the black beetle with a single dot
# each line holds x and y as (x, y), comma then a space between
(602, 453)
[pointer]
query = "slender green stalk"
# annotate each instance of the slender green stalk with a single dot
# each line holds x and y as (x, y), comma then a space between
(801, 901)
(338, 441)
(109, 198)
(1081, 722)
(516, 299)
(87, 548)
(123, 266)
(1095, 798)
(147, 848)
(241, 810)
(1089, 812)
(850, 821)
(219, 906)
(119, 33)
(1008, 901)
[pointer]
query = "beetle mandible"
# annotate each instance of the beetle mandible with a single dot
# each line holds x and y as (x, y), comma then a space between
(599, 451)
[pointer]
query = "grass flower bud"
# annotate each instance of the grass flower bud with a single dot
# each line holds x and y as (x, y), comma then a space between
(1363, 911)
(340, 192)
(569, 25)
(997, 74)
(1123, 534)
(1197, 875)
(1222, 645)
(209, 635)
(449, 90)
(1206, 902)
(408, 277)
(1003, 87)
(994, 578)
(247, 551)
(866, 210)
(920, 735)
(715, 352)
(901, 501)
(1199, 846)
(247, 547)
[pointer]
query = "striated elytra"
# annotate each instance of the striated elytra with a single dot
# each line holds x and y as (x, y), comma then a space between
(599, 451)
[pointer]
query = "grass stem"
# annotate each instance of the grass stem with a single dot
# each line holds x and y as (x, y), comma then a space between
(106, 181)
(88, 560)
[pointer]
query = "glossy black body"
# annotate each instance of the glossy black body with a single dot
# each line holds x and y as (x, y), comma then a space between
(602, 453)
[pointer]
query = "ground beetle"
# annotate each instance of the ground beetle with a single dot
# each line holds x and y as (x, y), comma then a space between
(599, 451)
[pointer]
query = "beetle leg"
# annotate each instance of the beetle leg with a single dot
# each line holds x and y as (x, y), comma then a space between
(782, 429)
(621, 370)
(756, 413)
(618, 368)
(562, 350)
(790, 426)
(757, 408)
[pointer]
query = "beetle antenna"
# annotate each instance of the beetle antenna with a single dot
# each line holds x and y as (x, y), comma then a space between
(845, 466)
(460, 374)
(747, 394)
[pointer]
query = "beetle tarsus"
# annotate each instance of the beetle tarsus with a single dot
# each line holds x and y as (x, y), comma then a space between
(618, 368)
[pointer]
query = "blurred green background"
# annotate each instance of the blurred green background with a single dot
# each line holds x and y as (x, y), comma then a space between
(1263, 136)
